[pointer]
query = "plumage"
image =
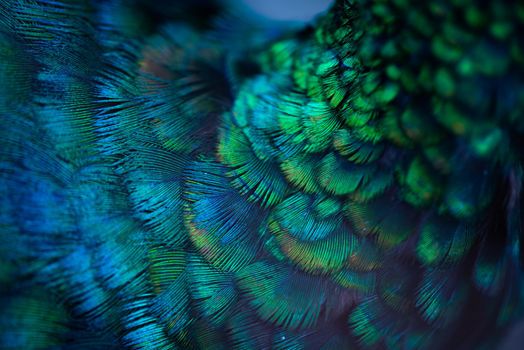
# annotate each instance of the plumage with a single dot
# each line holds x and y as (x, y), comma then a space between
(176, 176)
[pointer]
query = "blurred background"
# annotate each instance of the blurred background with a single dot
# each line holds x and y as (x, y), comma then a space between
(297, 11)
(146, 16)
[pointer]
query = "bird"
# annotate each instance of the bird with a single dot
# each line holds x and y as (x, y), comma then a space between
(174, 177)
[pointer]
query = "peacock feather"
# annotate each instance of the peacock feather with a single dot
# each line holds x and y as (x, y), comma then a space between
(176, 177)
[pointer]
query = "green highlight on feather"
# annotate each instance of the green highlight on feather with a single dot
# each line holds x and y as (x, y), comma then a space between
(304, 72)
(304, 125)
(363, 325)
(319, 124)
(376, 186)
(165, 266)
(335, 83)
(310, 233)
(390, 221)
(340, 177)
(355, 150)
(260, 180)
(280, 56)
(280, 296)
(227, 257)
(308, 217)
(300, 171)
(422, 186)
(376, 326)
(487, 139)
(443, 241)
(324, 255)
(394, 131)
(212, 290)
(361, 282)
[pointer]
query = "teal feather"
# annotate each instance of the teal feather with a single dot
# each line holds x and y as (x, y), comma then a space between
(177, 176)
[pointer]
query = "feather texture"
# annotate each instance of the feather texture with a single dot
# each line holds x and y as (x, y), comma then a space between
(171, 180)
